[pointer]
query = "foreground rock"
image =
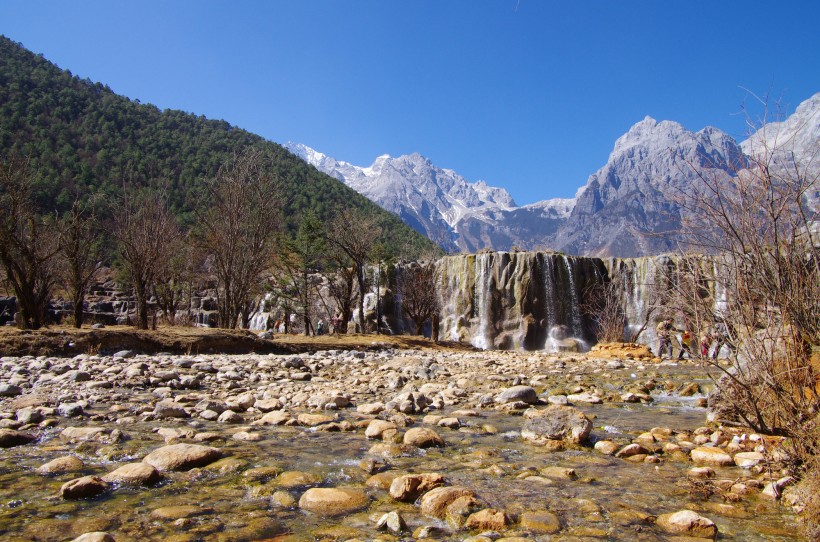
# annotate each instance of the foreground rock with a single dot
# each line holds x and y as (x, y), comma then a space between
(10, 438)
(83, 488)
(134, 474)
(556, 423)
(329, 501)
(180, 457)
(687, 523)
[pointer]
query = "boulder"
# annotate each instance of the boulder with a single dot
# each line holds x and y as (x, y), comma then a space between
(525, 394)
(488, 519)
(96, 536)
(434, 503)
(83, 488)
(134, 474)
(556, 422)
(10, 438)
(540, 522)
(712, 457)
(687, 523)
(376, 429)
(411, 486)
(423, 438)
(60, 465)
(331, 501)
(179, 457)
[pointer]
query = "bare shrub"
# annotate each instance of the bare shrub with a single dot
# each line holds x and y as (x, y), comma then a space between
(416, 285)
(760, 288)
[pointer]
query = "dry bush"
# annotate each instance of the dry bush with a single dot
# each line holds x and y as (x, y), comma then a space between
(759, 286)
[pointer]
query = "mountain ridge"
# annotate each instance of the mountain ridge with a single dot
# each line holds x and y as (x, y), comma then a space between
(623, 210)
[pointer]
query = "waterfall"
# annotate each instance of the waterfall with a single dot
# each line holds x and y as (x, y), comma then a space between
(550, 298)
(576, 325)
(483, 299)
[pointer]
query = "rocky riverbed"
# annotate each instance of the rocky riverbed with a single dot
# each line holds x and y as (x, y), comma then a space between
(379, 445)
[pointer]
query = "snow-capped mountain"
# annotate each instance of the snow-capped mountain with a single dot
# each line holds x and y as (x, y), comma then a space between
(793, 143)
(437, 202)
(629, 207)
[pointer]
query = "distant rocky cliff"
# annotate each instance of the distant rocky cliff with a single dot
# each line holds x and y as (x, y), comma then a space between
(630, 207)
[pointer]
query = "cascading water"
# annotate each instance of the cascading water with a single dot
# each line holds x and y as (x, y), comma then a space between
(483, 298)
(576, 324)
(550, 297)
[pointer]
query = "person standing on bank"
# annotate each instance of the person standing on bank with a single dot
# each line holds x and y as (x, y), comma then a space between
(665, 329)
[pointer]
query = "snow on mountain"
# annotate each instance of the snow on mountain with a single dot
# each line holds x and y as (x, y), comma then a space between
(627, 208)
(792, 143)
(431, 199)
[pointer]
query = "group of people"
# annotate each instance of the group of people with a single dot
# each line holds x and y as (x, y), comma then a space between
(288, 324)
(711, 340)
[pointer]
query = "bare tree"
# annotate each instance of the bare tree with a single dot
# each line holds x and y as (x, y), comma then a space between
(354, 232)
(340, 276)
(605, 303)
(762, 285)
(28, 244)
(298, 264)
(174, 279)
(238, 224)
(80, 256)
(419, 295)
(146, 233)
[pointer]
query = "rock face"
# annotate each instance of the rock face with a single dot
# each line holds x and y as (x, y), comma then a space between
(621, 210)
(178, 457)
(556, 422)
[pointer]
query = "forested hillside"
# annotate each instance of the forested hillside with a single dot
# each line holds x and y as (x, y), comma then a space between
(82, 138)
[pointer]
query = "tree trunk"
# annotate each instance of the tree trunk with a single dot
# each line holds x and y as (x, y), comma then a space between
(360, 280)
(78, 309)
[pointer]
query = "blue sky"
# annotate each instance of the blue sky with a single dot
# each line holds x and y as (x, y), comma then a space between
(525, 94)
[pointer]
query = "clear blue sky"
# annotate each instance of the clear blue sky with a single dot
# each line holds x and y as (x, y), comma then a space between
(525, 94)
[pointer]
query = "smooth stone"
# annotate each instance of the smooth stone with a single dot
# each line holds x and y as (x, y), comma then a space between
(83, 488)
(713, 457)
(423, 437)
(748, 459)
(540, 522)
(329, 501)
(277, 417)
(391, 521)
(435, 501)
(377, 428)
(525, 394)
(292, 479)
(178, 457)
(411, 486)
(60, 465)
(171, 513)
(134, 474)
(10, 438)
(97, 536)
(688, 523)
(606, 447)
